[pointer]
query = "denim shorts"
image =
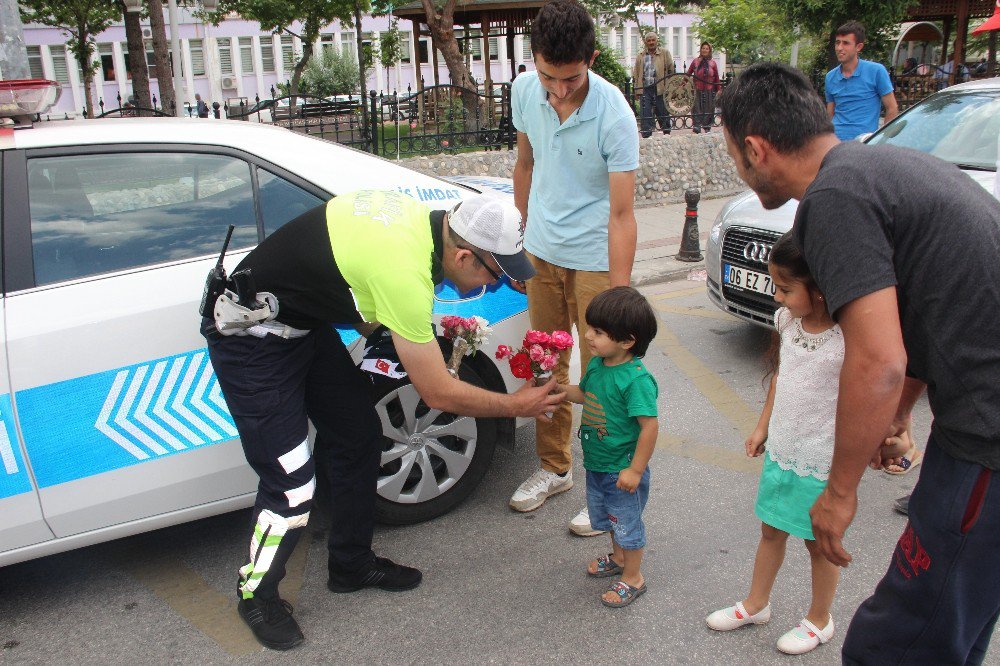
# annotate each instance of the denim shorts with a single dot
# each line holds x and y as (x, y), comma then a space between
(618, 511)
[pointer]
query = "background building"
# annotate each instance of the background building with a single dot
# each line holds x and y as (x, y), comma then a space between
(237, 60)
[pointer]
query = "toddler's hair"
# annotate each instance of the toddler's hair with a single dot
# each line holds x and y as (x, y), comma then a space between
(788, 258)
(624, 314)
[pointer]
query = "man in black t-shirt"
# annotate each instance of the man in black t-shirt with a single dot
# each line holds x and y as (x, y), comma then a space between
(905, 249)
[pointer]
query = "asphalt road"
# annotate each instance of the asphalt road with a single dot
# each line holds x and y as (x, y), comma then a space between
(499, 587)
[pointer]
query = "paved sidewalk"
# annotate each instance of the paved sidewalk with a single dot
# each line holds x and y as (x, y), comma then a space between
(659, 240)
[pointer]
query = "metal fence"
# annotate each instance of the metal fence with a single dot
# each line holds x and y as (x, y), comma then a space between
(436, 119)
(447, 118)
(682, 91)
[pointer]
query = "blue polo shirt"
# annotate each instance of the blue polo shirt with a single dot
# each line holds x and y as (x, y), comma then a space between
(857, 99)
(570, 199)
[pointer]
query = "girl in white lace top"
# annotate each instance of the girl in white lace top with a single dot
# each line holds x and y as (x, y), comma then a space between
(799, 437)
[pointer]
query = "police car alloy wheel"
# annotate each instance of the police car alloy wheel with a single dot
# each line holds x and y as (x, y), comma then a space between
(431, 460)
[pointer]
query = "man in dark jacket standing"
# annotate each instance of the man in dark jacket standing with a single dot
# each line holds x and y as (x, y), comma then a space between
(649, 73)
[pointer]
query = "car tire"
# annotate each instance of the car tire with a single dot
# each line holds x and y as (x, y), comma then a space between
(431, 461)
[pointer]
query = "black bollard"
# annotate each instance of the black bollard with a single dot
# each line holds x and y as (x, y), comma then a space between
(690, 246)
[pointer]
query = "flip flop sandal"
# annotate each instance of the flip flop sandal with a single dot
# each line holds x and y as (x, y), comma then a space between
(626, 594)
(912, 459)
(605, 567)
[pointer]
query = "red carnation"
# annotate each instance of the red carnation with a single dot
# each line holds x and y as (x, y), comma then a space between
(536, 338)
(520, 366)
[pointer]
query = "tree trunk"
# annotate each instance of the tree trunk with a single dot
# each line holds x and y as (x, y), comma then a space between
(137, 65)
(13, 54)
(161, 57)
(307, 51)
(442, 27)
(88, 74)
(362, 74)
(310, 33)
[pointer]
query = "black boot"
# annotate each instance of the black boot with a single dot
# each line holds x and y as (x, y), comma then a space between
(271, 622)
(381, 573)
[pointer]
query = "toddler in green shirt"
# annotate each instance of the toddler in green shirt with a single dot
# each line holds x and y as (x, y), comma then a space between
(618, 433)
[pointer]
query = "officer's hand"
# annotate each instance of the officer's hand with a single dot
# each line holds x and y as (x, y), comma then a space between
(538, 401)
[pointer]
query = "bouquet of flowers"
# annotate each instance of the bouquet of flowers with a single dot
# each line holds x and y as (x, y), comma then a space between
(538, 355)
(467, 335)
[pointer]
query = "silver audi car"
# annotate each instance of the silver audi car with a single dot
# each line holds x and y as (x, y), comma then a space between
(960, 124)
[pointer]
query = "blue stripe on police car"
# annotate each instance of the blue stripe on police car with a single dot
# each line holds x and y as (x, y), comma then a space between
(150, 410)
(13, 473)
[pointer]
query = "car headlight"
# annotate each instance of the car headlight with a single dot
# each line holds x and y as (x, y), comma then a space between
(717, 228)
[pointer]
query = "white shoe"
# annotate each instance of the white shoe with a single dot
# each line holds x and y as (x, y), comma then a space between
(580, 524)
(805, 637)
(736, 616)
(539, 487)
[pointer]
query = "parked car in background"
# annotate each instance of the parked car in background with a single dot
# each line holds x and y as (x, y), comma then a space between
(112, 420)
(960, 124)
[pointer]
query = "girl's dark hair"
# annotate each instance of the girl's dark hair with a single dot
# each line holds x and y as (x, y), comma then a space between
(624, 314)
(563, 33)
(788, 259)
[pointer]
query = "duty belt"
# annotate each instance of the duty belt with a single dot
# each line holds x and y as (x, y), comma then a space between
(275, 328)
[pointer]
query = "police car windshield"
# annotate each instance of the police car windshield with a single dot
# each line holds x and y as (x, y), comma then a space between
(960, 127)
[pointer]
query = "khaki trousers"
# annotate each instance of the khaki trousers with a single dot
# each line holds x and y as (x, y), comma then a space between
(557, 299)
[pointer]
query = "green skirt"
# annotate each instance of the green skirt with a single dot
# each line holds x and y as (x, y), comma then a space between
(784, 499)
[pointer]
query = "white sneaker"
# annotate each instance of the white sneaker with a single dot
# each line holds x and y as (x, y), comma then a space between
(805, 637)
(580, 524)
(539, 487)
(736, 616)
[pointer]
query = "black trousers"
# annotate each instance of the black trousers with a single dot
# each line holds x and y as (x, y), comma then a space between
(939, 601)
(649, 104)
(273, 387)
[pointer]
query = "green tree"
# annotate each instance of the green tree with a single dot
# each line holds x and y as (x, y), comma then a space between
(747, 30)
(880, 17)
(628, 10)
(81, 20)
(278, 16)
(390, 47)
(330, 73)
(609, 67)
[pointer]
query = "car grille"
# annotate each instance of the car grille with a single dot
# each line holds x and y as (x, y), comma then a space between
(748, 303)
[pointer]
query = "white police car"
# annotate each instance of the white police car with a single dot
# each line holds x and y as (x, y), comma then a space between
(958, 124)
(112, 419)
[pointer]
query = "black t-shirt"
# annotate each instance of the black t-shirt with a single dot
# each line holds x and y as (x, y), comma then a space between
(879, 216)
(296, 264)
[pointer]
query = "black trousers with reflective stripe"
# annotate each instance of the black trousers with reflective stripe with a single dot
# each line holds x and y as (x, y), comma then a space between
(273, 387)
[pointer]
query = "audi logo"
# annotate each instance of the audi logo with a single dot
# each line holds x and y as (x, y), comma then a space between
(756, 251)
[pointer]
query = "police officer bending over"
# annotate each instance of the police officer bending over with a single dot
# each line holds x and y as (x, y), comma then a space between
(363, 257)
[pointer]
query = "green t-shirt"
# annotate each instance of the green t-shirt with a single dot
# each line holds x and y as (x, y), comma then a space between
(613, 397)
(382, 243)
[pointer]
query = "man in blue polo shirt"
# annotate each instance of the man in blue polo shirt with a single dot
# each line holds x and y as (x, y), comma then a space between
(856, 89)
(574, 182)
